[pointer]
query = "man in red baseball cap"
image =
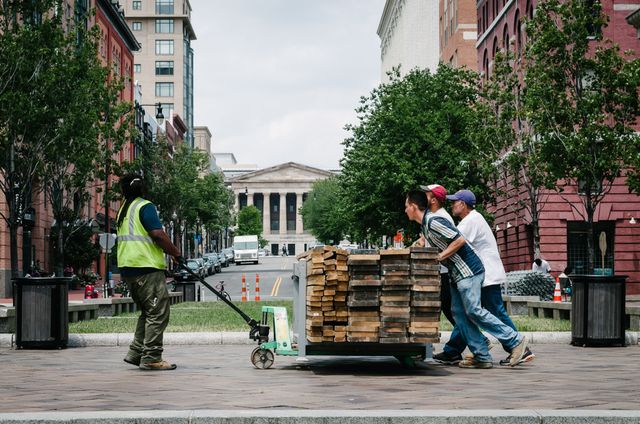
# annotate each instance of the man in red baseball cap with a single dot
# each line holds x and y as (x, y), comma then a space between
(437, 191)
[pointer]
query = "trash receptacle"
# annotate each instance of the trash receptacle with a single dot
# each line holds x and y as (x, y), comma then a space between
(598, 310)
(188, 289)
(42, 319)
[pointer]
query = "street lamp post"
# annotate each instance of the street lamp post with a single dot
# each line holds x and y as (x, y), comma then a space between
(159, 114)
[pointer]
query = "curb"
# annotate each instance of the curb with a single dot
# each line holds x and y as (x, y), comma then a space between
(525, 416)
(242, 338)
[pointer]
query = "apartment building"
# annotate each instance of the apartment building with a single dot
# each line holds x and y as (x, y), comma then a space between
(164, 64)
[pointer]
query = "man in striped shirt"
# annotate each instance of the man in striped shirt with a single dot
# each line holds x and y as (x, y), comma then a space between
(467, 274)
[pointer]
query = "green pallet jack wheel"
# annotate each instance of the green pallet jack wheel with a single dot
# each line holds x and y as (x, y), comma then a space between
(262, 358)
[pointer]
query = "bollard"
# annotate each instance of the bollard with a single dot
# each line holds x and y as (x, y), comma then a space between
(244, 288)
(257, 297)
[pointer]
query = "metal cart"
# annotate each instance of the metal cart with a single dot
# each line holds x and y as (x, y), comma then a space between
(276, 317)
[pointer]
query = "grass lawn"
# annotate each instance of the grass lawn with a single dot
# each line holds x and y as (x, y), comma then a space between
(217, 316)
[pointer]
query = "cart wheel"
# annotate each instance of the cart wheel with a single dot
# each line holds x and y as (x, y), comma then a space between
(262, 358)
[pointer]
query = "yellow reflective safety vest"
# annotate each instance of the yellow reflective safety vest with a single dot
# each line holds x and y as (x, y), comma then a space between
(136, 248)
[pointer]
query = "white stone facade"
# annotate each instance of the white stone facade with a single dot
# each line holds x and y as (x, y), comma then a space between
(278, 192)
(409, 36)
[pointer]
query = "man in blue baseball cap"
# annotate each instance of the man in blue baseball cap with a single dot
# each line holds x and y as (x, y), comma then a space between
(476, 231)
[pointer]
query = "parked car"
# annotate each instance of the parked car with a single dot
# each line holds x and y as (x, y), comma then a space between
(210, 265)
(263, 252)
(228, 252)
(212, 259)
(224, 262)
(193, 265)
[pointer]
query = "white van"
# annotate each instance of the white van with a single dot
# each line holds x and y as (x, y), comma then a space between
(245, 249)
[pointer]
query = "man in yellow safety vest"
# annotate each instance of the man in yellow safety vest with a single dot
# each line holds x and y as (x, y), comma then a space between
(142, 244)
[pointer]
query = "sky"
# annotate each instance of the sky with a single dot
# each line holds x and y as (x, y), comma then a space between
(277, 80)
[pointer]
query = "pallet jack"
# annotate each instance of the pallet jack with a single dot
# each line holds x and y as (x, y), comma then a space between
(262, 356)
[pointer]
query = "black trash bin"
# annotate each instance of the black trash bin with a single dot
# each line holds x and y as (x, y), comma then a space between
(42, 319)
(188, 289)
(598, 310)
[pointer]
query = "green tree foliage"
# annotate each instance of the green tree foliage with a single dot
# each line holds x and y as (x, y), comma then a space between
(508, 149)
(412, 131)
(582, 101)
(80, 251)
(56, 103)
(250, 223)
(321, 212)
(178, 187)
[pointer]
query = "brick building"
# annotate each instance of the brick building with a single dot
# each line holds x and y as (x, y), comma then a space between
(458, 33)
(562, 228)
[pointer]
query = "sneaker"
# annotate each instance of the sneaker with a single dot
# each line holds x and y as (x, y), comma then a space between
(518, 352)
(447, 358)
(472, 363)
(157, 366)
(489, 347)
(527, 357)
(132, 360)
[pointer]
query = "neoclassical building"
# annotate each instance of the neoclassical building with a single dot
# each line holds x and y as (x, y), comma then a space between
(278, 192)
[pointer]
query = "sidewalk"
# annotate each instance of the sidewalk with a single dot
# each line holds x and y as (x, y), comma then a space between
(222, 378)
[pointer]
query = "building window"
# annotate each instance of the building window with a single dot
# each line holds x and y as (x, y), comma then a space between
(577, 250)
(136, 26)
(164, 7)
(137, 5)
(137, 68)
(164, 26)
(164, 67)
(164, 89)
(164, 46)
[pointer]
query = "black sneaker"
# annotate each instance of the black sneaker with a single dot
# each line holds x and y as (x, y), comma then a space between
(447, 358)
(527, 357)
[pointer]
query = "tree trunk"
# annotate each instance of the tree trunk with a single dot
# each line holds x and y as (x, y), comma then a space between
(535, 226)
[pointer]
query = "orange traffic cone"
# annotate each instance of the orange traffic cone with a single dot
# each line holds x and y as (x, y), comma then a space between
(557, 295)
(244, 288)
(257, 295)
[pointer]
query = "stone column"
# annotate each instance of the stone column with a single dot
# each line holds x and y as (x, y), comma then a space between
(237, 196)
(283, 213)
(299, 229)
(266, 213)
(250, 199)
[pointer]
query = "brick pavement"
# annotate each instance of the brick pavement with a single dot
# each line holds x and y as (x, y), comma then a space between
(222, 378)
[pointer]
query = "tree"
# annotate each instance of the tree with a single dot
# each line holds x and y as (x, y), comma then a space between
(80, 251)
(411, 131)
(52, 85)
(321, 211)
(508, 149)
(90, 122)
(582, 102)
(250, 223)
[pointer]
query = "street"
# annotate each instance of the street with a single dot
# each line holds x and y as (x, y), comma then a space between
(275, 279)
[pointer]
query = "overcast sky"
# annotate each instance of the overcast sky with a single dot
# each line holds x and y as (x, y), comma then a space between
(277, 80)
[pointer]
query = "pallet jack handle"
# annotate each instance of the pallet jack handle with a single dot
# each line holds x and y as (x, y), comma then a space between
(259, 331)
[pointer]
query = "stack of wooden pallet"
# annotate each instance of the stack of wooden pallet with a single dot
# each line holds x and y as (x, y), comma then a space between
(425, 296)
(395, 298)
(327, 286)
(391, 297)
(364, 298)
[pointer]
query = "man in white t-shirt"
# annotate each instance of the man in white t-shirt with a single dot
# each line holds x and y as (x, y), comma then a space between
(476, 231)
(540, 265)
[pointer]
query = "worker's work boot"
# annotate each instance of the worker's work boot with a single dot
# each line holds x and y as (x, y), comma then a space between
(131, 359)
(157, 366)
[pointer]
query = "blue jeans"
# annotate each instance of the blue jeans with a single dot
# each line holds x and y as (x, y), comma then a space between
(491, 300)
(470, 315)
